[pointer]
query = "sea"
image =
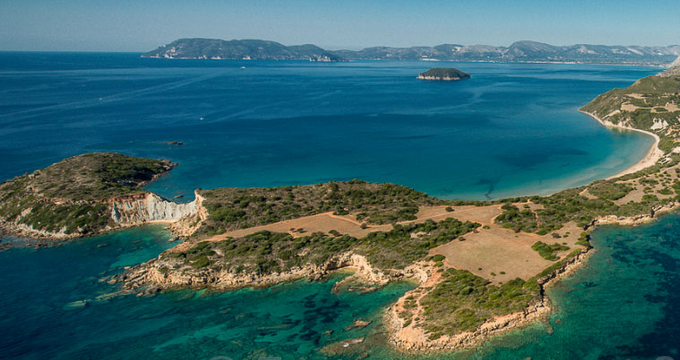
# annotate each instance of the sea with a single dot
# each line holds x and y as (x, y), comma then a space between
(510, 130)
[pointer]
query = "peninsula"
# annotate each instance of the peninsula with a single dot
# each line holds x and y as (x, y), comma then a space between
(85, 195)
(480, 267)
(443, 74)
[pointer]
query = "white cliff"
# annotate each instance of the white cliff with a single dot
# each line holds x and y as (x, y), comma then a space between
(145, 208)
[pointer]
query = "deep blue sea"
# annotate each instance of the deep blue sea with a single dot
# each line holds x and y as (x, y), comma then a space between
(511, 129)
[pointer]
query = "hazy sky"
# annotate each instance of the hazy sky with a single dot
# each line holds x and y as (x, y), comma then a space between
(140, 25)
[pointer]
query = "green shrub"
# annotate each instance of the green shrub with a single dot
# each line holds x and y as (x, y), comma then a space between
(548, 251)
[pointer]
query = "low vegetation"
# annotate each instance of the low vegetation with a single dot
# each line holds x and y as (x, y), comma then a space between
(267, 252)
(609, 190)
(570, 205)
(548, 251)
(463, 301)
(516, 219)
(231, 209)
(532, 283)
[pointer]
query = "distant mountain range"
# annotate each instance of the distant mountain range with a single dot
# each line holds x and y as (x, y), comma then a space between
(521, 51)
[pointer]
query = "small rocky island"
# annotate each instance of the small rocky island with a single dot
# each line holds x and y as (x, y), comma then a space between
(443, 74)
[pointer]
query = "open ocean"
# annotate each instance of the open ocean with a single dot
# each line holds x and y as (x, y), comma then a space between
(512, 129)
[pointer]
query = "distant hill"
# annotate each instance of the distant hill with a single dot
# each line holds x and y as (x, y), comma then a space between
(674, 69)
(520, 51)
(240, 50)
(524, 51)
(651, 104)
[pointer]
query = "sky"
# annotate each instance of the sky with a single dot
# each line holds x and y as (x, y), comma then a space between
(142, 25)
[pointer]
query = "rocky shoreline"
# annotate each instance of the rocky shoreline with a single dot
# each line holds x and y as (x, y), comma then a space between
(150, 278)
(436, 78)
(156, 275)
(163, 274)
(415, 341)
(635, 219)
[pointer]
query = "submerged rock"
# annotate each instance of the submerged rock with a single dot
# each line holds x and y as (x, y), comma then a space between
(358, 324)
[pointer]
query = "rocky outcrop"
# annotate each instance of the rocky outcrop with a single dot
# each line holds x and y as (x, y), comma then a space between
(19, 230)
(167, 272)
(420, 344)
(636, 219)
(74, 197)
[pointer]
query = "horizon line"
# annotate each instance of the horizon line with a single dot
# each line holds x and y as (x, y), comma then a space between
(333, 48)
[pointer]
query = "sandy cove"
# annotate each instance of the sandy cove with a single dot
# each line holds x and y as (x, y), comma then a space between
(653, 155)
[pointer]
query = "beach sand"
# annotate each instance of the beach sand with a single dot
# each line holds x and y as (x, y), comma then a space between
(653, 155)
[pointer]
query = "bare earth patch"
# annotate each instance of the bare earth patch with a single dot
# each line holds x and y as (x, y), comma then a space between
(347, 224)
(503, 252)
(481, 214)
(324, 222)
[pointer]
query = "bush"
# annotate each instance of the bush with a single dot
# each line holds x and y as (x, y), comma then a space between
(548, 251)
(201, 261)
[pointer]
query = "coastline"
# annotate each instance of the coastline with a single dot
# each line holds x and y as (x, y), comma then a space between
(411, 340)
(536, 312)
(653, 155)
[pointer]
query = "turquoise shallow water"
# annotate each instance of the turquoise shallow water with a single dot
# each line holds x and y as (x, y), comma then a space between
(40, 316)
(623, 304)
(511, 129)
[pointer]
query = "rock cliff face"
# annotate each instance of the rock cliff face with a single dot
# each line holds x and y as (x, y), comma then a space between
(144, 208)
(191, 221)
